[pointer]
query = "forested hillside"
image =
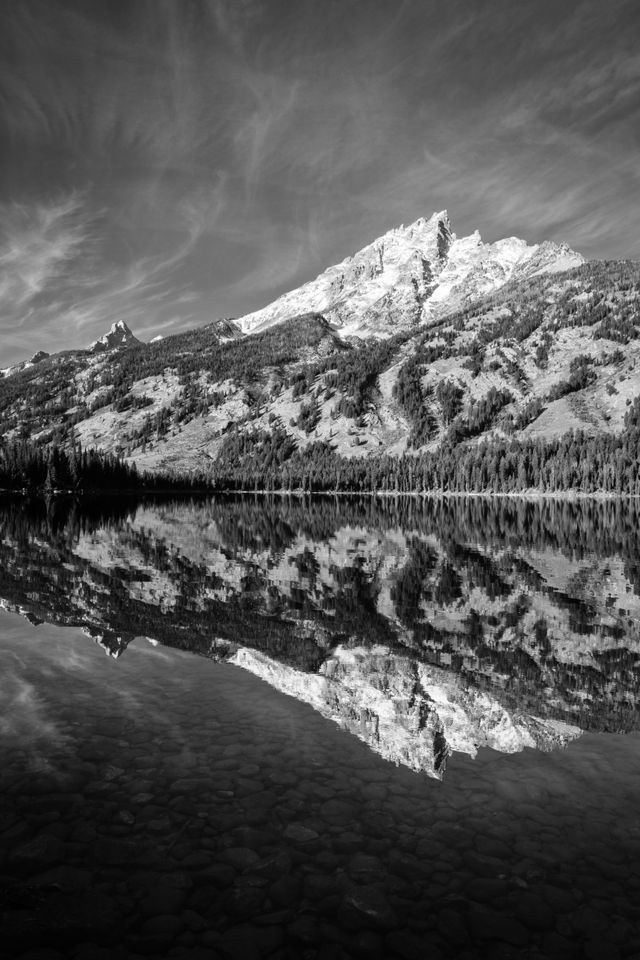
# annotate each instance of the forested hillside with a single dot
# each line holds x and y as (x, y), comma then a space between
(47, 469)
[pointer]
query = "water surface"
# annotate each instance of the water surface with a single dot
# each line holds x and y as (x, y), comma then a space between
(453, 771)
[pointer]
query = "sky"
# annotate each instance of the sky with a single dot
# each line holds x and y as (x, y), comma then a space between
(170, 162)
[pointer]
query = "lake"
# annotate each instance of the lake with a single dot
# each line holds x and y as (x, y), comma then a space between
(322, 728)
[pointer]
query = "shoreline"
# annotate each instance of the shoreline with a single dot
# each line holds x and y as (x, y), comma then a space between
(530, 495)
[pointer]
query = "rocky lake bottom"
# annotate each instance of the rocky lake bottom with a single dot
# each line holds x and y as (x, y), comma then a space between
(164, 805)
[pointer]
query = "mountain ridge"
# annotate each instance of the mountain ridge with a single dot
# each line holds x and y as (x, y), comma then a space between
(429, 341)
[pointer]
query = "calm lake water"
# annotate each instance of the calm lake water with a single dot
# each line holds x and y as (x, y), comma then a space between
(321, 729)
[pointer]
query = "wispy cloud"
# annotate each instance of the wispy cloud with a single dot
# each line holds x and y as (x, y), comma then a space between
(37, 245)
(25, 720)
(259, 138)
(234, 17)
(55, 275)
(277, 264)
(223, 149)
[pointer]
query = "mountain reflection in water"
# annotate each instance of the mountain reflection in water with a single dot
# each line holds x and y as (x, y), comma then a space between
(422, 627)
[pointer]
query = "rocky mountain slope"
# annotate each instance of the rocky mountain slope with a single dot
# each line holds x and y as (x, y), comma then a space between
(418, 340)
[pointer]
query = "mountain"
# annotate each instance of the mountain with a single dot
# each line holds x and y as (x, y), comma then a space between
(119, 335)
(409, 276)
(419, 343)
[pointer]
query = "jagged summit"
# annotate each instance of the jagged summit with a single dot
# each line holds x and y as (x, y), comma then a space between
(377, 290)
(423, 226)
(410, 274)
(119, 335)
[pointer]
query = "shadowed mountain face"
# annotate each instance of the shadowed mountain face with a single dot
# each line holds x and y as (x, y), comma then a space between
(423, 628)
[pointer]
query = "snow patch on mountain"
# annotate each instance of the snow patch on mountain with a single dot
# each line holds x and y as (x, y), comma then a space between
(475, 269)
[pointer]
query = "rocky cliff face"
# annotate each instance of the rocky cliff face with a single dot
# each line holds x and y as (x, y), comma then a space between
(119, 335)
(411, 275)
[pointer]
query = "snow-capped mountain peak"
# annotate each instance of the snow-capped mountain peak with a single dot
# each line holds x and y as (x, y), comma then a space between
(409, 275)
(377, 289)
